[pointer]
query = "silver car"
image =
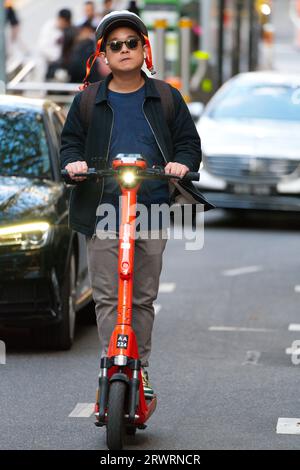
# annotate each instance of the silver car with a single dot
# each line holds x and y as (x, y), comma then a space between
(250, 133)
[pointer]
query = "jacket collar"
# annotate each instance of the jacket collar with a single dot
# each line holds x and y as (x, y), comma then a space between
(150, 90)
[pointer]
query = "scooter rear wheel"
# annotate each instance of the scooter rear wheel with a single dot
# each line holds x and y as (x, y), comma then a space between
(115, 428)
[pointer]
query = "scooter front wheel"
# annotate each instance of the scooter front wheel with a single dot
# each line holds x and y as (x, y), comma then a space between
(131, 430)
(115, 428)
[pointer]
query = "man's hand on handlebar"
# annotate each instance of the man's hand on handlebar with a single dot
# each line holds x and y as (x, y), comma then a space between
(77, 167)
(177, 169)
(172, 172)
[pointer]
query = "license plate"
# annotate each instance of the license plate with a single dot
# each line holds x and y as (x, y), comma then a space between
(257, 189)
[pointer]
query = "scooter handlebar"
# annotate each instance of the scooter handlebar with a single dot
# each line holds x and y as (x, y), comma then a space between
(148, 173)
(90, 172)
(192, 176)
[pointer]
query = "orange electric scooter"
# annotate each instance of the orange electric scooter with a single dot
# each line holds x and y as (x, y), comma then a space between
(121, 405)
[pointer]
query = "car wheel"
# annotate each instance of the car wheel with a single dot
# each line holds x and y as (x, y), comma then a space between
(87, 315)
(61, 336)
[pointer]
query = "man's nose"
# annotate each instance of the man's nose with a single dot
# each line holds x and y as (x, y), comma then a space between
(126, 48)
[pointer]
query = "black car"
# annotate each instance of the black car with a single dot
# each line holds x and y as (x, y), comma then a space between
(43, 264)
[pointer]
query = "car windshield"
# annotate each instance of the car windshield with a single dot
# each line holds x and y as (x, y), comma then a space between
(23, 144)
(275, 102)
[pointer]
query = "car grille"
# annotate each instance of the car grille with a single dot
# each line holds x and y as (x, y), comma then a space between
(269, 170)
(24, 295)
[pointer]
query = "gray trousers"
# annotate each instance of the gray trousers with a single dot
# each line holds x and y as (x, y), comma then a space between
(103, 273)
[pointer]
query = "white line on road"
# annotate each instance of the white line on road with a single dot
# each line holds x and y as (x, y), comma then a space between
(236, 328)
(157, 308)
(82, 410)
(244, 270)
(166, 287)
(294, 327)
(288, 426)
(297, 288)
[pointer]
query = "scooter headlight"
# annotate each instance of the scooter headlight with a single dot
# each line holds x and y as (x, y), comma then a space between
(128, 178)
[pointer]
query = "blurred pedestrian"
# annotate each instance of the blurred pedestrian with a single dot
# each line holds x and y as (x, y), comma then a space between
(133, 7)
(108, 7)
(57, 69)
(84, 47)
(12, 19)
(48, 48)
(69, 35)
(90, 17)
(16, 49)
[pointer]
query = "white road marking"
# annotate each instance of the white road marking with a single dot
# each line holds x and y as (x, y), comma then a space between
(157, 308)
(235, 328)
(294, 327)
(244, 270)
(288, 426)
(252, 357)
(82, 410)
(297, 288)
(166, 287)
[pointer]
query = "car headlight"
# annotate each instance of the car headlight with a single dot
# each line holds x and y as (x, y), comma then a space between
(25, 236)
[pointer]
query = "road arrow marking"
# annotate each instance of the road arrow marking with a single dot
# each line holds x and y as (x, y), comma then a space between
(295, 351)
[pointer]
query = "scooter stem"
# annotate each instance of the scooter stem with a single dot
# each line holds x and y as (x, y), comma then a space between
(126, 255)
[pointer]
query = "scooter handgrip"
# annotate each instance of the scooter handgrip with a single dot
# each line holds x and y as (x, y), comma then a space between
(192, 176)
(91, 171)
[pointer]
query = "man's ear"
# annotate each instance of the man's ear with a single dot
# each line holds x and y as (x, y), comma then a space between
(145, 50)
(103, 57)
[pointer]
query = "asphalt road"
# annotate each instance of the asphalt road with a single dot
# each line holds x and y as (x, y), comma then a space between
(217, 388)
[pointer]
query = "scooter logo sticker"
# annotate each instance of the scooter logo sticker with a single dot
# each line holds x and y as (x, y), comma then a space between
(122, 341)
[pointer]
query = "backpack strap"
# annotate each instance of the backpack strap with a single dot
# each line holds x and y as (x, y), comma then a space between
(89, 95)
(87, 103)
(167, 100)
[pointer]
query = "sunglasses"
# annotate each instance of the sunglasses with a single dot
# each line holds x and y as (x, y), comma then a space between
(116, 46)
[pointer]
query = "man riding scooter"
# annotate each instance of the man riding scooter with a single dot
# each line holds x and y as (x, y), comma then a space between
(128, 116)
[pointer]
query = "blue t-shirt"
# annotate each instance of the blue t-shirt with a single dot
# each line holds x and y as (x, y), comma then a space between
(131, 133)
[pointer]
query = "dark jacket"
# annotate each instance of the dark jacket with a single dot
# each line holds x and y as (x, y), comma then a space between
(180, 143)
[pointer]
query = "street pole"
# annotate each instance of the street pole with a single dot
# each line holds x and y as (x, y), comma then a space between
(220, 41)
(205, 22)
(160, 26)
(2, 48)
(251, 33)
(237, 38)
(185, 25)
(253, 36)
